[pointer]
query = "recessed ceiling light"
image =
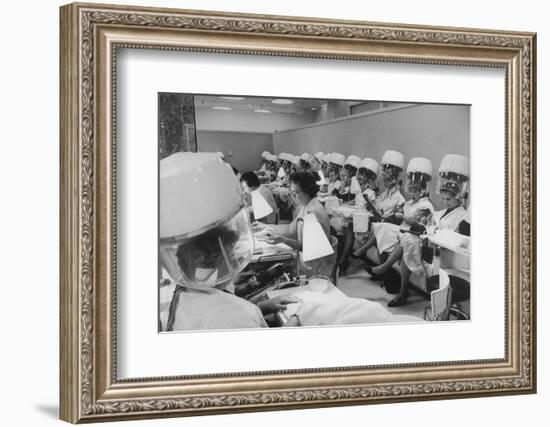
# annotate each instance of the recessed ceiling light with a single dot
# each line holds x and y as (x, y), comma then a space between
(282, 101)
(262, 111)
(232, 98)
(222, 108)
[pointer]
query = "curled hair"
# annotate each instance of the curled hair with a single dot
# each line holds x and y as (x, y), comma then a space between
(306, 181)
(352, 170)
(367, 173)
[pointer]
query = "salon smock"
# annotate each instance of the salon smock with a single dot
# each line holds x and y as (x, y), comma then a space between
(389, 202)
(335, 185)
(387, 234)
(194, 309)
(449, 219)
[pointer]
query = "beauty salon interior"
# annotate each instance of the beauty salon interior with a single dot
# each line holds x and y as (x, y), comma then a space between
(278, 211)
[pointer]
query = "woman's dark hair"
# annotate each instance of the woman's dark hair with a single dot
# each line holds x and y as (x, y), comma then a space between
(251, 179)
(306, 181)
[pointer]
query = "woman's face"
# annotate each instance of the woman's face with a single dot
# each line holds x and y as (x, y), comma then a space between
(415, 192)
(286, 166)
(298, 195)
(315, 165)
(363, 179)
(345, 176)
(449, 200)
(388, 181)
(332, 174)
(245, 187)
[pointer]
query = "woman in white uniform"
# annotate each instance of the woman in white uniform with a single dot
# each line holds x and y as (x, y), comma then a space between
(403, 240)
(334, 182)
(305, 162)
(453, 213)
(317, 162)
(350, 187)
(366, 177)
(454, 171)
(388, 207)
(333, 164)
(367, 172)
(325, 163)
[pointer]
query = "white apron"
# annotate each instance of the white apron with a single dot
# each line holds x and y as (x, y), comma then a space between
(389, 202)
(412, 246)
(387, 234)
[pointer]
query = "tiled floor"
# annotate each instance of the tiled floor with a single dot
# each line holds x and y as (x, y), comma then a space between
(358, 284)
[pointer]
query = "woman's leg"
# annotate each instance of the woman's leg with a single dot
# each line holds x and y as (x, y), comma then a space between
(361, 251)
(395, 256)
(343, 262)
(401, 297)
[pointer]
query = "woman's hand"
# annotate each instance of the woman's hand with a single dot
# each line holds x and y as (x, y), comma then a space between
(410, 219)
(293, 321)
(422, 213)
(276, 304)
(258, 226)
(273, 239)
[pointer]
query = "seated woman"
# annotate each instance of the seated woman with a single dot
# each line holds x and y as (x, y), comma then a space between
(273, 167)
(264, 166)
(403, 240)
(325, 163)
(348, 190)
(284, 161)
(453, 213)
(366, 178)
(250, 182)
(318, 165)
(305, 162)
(204, 253)
(388, 206)
(454, 173)
(294, 163)
(411, 261)
(333, 172)
(317, 162)
(303, 189)
(352, 165)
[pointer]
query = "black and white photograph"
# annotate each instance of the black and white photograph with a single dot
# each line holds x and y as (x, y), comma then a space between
(286, 212)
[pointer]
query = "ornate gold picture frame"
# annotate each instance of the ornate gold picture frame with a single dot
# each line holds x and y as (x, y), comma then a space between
(90, 37)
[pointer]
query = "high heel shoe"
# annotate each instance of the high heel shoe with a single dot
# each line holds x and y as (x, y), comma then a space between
(398, 302)
(372, 274)
(343, 268)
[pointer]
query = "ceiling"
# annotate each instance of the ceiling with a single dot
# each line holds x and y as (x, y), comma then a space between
(298, 106)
